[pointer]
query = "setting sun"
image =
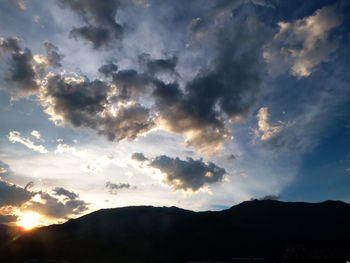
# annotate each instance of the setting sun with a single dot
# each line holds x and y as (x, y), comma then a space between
(29, 220)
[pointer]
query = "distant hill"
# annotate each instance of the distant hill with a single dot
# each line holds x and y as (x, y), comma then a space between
(169, 234)
(9, 233)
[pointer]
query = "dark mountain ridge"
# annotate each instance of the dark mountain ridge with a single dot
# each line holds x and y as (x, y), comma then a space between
(259, 228)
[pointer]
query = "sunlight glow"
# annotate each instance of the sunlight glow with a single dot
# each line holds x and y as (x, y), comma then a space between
(29, 220)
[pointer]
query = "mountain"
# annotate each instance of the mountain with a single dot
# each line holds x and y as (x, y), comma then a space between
(259, 228)
(9, 233)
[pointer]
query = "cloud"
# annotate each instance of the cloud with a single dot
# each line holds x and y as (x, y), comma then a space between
(265, 130)
(13, 195)
(25, 68)
(270, 197)
(62, 191)
(10, 44)
(99, 16)
(159, 66)
(22, 5)
(24, 199)
(114, 188)
(15, 136)
(140, 157)
(108, 69)
(21, 76)
(7, 218)
(53, 56)
(52, 207)
(220, 93)
(36, 134)
(87, 104)
(130, 84)
(65, 148)
(97, 36)
(29, 186)
(303, 44)
(187, 175)
(201, 108)
(130, 122)
(5, 169)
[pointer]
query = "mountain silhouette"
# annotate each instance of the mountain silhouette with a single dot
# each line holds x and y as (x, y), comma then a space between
(258, 228)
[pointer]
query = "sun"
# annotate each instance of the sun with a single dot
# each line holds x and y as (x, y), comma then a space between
(29, 220)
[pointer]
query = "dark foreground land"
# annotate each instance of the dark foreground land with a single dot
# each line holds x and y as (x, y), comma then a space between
(267, 230)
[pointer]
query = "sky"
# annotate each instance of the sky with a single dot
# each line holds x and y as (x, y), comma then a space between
(197, 104)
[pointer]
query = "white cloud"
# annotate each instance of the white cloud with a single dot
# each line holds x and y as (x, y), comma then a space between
(15, 136)
(22, 5)
(36, 134)
(65, 148)
(301, 45)
(265, 130)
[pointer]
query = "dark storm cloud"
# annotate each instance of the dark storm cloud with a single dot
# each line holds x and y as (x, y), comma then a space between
(131, 84)
(167, 95)
(20, 77)
(140, 157)
(131, 122)
(60, 191)
(156, 66)
(78, 101)
(52, 53)
(187, 175)
(21, 73)
(10, 44)
(100, 16)
(97, 36)
(86, 104)
(13, 195)
(108, 69)
(114, 188)
(52, 207)
(7, 218)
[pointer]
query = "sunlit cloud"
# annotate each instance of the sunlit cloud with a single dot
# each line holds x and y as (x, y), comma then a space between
(22, 5)
(15, 136)
(265, 130)
(304, 43)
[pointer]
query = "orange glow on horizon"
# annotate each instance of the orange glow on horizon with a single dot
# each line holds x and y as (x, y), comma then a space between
(30, 220)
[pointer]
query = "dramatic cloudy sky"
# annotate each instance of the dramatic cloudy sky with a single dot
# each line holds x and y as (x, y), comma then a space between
(200, 104)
